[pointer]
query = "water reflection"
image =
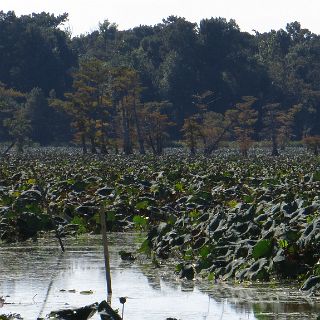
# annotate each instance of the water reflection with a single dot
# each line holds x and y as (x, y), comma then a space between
(38, 278)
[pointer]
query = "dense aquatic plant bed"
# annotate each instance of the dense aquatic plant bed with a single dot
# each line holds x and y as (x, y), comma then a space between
(224, 217)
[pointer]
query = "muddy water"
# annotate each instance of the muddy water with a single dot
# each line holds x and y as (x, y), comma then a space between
(37, 278)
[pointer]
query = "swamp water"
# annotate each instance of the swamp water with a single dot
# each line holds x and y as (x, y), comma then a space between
(37, 278)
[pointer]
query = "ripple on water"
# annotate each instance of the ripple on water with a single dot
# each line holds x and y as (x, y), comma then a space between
(37, 278)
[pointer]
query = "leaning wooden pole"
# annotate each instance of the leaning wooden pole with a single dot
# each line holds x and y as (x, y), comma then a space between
(106, 250)
(8, 149)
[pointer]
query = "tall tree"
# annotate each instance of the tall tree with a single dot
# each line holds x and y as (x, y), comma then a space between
(216, 128)
(88, 104)
(246, 117)
(155, 125)
(41, 116)
(34, 52)
(277, 124)
(192, 133)
(19, 127)
(126, 88)
(14, 116)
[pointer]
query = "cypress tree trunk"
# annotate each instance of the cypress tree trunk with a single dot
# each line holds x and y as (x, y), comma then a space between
(140, 138)
(245, 153)
(275, 151)
(83, 143)
(159, 145)
(93, 145)
(19, 144)
(114, 126)
(152, 145)
(103, 147)
(192, 143)
(192, 150)
(316, 151)
(127, 148)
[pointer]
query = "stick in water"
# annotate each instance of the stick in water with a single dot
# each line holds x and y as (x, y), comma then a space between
(106, 250)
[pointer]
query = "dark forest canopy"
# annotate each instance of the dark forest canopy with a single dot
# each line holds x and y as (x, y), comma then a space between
(139, 88)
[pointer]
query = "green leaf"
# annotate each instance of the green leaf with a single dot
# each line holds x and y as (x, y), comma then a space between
(188, 255)
(111, 216)
(33, 207)
(16, 194)
(204, 251)
(283, 243)
(145, 247)
(171, 219)
(211, 276)
(71, 181)
(292, 249)
(96, 218)
(31, 181)
(81, 223)
(227, 174)
(140, 222)
(142, 205)
(262, 249)
(179, 267)
(154, 188)
(316, 176)
(178, 186)
(194, 214)
(6, 200)
(248, 199)
(232, 203)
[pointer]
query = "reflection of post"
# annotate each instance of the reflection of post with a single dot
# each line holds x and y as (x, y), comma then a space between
(106, 251)
(53, 275)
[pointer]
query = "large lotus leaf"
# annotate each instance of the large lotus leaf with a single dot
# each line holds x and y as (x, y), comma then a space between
(262, 249)
(140, 221)
(5, 199)
(204, 251)
(145, 247)
(82, 225)
(201, 197)
(79, 186)
(316, 176)
(248, 199)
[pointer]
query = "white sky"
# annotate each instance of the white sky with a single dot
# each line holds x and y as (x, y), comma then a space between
(261, 15)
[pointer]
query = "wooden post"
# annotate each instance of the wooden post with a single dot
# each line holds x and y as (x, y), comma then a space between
(106, 250)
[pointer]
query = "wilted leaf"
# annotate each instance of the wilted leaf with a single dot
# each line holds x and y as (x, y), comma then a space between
(86, 292)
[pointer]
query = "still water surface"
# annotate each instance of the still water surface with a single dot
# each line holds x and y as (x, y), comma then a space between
(37, 278)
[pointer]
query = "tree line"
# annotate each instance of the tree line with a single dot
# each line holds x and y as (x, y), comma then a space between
(146, 87)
